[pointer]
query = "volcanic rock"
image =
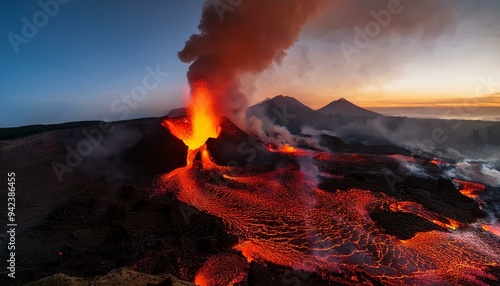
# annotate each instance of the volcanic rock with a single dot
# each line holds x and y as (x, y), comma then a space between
(122, 276)
(235, 147)
(158, 151)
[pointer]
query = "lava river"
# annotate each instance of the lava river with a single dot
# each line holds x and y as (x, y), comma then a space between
(282, 216)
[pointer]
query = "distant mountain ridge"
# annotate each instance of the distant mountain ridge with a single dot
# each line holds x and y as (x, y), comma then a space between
(290, 112)
(288, 101)
(340, 106)
(286, 111)
(353, 124)
(346, 108)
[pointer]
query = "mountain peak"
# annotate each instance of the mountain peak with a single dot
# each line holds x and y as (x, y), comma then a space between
(344, 107)
(282, 97)
(284, 100)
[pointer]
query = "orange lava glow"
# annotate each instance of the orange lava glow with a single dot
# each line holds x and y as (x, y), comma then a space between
(224, 269)
(287, 149)
(403, 158)
(495, 229)
(438, 162)
(417, 209)
(201, 122)
(471, 189)
(282, 217)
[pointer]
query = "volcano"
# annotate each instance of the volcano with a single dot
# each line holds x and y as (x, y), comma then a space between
(240, 212)
(345, 108)
(338, 214)
(222, 192)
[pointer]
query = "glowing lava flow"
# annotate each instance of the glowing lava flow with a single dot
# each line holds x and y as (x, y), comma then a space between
(471, 189)
(495, 229)
(417, 209)
(201, 122)
(282, 217)
(439, 162)
(289, 150)
(224, 269)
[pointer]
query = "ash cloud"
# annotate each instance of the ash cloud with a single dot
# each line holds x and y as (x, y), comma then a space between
(252, 37)
(247, 39)
(413, 34)
(426, 18)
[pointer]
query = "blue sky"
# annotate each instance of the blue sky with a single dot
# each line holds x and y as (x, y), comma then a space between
(88, 54)
(92, 52)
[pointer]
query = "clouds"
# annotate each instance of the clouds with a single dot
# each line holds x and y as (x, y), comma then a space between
(425, 18)
(245, 38)
(424, 38)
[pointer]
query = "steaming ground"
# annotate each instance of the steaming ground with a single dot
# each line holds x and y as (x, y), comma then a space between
(455, 140)
(339, 216)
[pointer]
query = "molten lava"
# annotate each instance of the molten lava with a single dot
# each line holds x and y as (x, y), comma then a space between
(495, 229)
(287, 149)
(224, 269)
(417, 209)
(283, 216)
(471, 189)
(202, 121)
(439, 162)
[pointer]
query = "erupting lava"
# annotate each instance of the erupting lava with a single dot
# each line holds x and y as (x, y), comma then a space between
(201, 123)
(288, 149)
(282, 216)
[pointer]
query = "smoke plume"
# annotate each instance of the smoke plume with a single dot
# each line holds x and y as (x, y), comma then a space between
(238, 37)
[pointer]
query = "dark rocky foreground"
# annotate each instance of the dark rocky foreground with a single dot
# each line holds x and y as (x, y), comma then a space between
(100, 225)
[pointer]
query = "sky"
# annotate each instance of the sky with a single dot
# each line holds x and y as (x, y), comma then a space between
(85, 59)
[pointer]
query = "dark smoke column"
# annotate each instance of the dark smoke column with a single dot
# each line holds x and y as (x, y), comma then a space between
(242, 36)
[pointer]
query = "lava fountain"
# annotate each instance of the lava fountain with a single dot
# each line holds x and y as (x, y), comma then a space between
(283, 217)
(201, 123)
